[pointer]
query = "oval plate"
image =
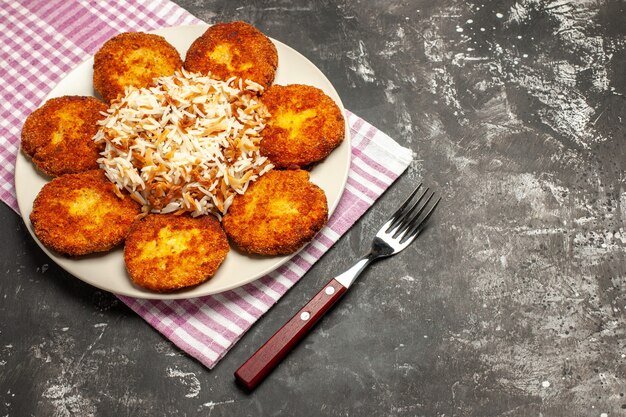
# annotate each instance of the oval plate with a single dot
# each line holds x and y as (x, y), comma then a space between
(107, 271)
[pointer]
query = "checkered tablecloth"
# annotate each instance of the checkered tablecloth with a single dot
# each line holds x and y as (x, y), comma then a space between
(41, 41)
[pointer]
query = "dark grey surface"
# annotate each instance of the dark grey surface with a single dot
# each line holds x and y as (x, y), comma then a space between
(511, 304)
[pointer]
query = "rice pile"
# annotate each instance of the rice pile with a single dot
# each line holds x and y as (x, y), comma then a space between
(188, 144)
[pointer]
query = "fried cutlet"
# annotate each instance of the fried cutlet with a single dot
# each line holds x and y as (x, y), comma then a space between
(78, 214)
(58, 135)
(166, 252)
(278, 214)
(304, 126)
(132, 59)
(234, 49)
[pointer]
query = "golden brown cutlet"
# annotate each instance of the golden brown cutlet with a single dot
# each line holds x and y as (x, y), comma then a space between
(58, 135)
(167, 252)
(278, 214)
(304, 126)
(78, 214)
(234, 49)
(132, 59)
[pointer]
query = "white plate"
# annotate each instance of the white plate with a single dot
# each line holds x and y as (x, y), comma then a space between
(107, 271)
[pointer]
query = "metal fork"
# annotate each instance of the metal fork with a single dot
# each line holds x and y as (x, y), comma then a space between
(395, 235)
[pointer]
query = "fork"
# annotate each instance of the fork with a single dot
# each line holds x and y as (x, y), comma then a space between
(395, 235)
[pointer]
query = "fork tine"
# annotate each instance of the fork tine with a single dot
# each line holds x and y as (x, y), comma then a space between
(394, 220)
(411, 216)
(417, 227)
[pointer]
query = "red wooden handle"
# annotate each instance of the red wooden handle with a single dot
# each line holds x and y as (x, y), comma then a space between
(259, 365)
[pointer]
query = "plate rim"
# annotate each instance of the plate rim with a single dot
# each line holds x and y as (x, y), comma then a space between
(22, 163)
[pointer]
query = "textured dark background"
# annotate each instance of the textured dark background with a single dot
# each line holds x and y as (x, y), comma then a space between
(511, 304)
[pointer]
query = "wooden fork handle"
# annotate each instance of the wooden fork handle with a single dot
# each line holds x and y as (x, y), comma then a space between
(264, 360)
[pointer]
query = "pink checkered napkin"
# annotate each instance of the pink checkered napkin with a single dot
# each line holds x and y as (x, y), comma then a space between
(46, 39)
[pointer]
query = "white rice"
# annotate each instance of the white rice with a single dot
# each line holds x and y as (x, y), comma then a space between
(189, 144)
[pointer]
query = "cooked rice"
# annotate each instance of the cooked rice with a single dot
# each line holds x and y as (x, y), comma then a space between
(189, 144)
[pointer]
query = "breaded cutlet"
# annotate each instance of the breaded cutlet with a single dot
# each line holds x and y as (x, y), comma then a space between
(234, 49)
(78, 214)
(278, 214)
(132, 59)
(167, 252)
(58, 136)
(304, 125)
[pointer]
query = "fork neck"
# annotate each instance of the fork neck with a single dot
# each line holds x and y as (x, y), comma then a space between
(347, 278)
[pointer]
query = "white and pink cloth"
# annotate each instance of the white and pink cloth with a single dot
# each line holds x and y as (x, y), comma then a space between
(42, 40)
